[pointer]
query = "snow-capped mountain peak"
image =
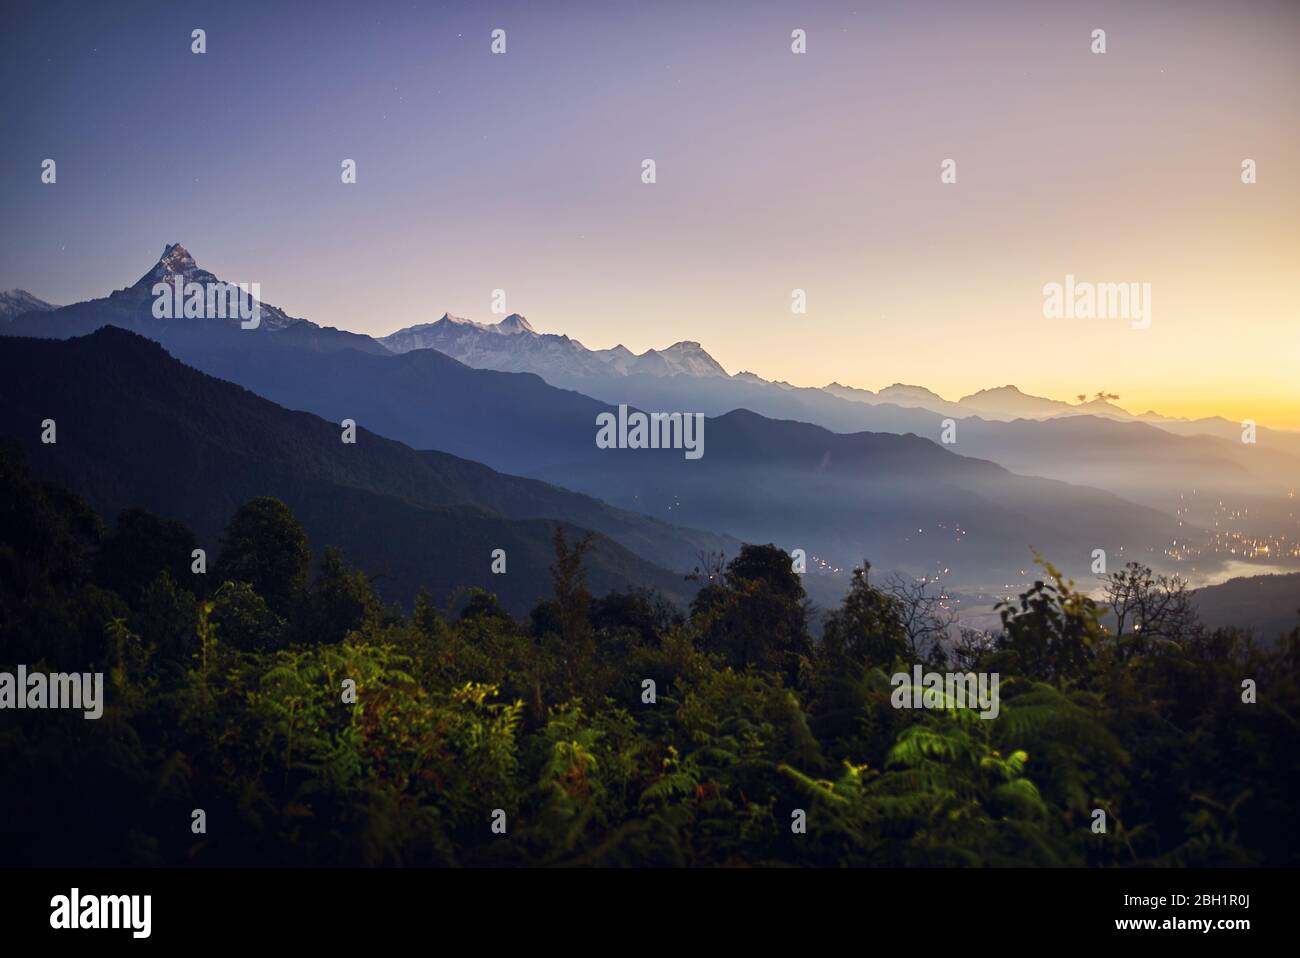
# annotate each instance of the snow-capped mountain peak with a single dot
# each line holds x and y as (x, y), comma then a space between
(690, 358)
(178, 257)
(514, 324)
(15, 302)
(176, 261)
(512, 345)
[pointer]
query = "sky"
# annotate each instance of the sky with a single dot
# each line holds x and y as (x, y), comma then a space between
(775, 171)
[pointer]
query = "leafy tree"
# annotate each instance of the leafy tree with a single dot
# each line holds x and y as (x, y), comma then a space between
(484, 605)
(339, 601)
(1052, 632)
(868, 629)
(242, 619)
(140, 546)
(165, 618)
(227, 704)
(757, 615)
(48, 536)
(572, 606)
(265, 546)
(644, 613)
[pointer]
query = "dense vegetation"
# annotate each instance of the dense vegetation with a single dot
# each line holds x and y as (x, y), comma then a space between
(227, 693)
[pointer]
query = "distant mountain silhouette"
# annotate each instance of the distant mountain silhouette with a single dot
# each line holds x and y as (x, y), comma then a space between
(880, 487)
(521, 423)
(1008, 402)
(683, 374)
(899, 500)
(1096, 443)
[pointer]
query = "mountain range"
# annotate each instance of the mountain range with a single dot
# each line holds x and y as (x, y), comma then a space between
(513, 345)
(1187, 468)
(843, 473)
(132, 308)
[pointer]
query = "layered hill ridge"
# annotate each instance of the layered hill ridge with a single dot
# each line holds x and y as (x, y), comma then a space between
(137, 427)
(513, 345)
(543, 424)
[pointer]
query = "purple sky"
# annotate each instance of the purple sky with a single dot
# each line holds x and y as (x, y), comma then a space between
(776, 171)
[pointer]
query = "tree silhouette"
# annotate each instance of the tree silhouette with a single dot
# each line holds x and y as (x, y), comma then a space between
(265, 546)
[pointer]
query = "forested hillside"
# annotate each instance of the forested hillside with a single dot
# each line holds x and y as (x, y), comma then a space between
(312, 724)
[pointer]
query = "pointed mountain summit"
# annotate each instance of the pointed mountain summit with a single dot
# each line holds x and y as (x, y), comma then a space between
(446, 328)
(1011, 402)
(176, 258)
(850, 393)
(132, 308)
(513, 324)
(903, 393)
(175, 261)
(512, 345)
(404, 340)
(15, 302)
(682, 358)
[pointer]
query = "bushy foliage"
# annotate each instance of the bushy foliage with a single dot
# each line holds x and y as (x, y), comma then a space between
(315, 726)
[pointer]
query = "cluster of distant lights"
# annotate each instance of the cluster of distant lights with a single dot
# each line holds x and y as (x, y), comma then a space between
(824, 566)
(1242, 545)
(1238, 545)
(958, 532)
(1252, 547)
(943, 597)
(1231, 543)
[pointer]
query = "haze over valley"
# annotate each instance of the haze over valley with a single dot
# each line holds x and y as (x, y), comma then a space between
(1015, 476)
